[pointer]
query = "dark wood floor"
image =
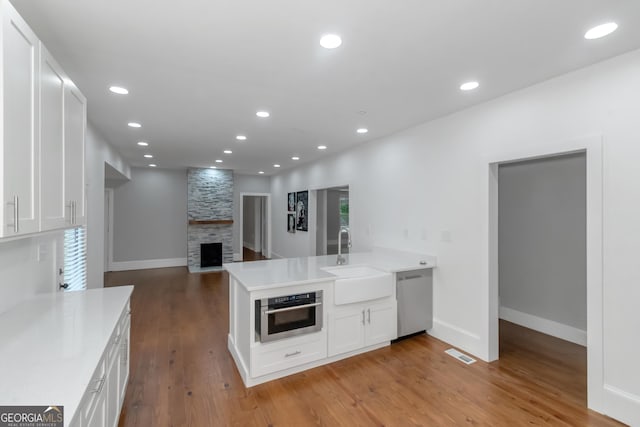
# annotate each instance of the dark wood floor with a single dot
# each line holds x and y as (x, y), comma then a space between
(183, 375)
(249, 255)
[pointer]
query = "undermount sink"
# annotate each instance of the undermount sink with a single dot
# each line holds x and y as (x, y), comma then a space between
(356, 283)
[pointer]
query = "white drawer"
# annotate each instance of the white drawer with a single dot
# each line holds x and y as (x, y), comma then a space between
(288, 353)
(94, 389)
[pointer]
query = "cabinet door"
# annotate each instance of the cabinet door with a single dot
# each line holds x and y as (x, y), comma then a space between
(98, 417)
(113, 406)
(54, 208)
(20, 210)
(381, 323)
(124, 363)
(346, 330)
(75, 111)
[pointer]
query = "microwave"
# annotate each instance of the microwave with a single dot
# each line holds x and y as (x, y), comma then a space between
(288, 316)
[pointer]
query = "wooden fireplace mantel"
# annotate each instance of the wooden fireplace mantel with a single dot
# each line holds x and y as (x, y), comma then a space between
(209, 221)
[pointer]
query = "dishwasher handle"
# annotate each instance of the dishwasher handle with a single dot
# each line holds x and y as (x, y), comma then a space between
(415, 276)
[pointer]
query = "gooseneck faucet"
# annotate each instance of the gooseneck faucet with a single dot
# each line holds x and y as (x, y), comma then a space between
(342, 260)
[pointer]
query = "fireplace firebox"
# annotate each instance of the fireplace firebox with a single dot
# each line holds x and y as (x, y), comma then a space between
(210, 255)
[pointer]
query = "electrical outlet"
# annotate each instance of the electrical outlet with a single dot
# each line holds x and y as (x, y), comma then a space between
(405, 233)
(423, 234)
(445, 236)
(42, 252)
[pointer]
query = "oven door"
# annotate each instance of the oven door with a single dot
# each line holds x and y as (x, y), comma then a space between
(303, 317)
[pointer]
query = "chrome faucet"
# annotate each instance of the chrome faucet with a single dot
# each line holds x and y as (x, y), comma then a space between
(342, 260)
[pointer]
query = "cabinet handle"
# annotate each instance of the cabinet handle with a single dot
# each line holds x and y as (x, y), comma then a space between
(70, 206)
(16, 214)
(369, 315)
(100, 382)
(74, 212)
(295, 353)
(363, 317)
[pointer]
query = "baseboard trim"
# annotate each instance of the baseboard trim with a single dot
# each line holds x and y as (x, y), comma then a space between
(275, 255)
(249, 246)
(147, 264)
(458, 337)
(622, 405)
(546, 326)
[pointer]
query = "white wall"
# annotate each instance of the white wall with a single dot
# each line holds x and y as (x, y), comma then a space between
(247, 184)
(150, 217)
(249, 221)
(427, 189)
(28, 266)
(99, 152)
(542, 243)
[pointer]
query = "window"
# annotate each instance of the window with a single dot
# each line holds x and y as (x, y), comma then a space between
(75, 258)
(344, 209)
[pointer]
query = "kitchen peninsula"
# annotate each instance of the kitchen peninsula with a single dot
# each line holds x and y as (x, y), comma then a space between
(290, 315)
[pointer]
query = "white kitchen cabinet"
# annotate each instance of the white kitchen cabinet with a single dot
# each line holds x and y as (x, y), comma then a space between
(19, 145)
(55, 212)
(361, 325)
(75, 124)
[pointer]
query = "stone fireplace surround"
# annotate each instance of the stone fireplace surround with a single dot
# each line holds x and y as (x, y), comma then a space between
(210, 213)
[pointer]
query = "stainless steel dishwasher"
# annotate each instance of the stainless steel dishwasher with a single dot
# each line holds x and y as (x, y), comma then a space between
(414, 291)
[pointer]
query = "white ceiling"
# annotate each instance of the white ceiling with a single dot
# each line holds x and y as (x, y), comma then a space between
(198, 70)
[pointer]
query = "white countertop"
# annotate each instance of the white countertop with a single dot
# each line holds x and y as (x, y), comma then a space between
(50, 345)
(258, 275)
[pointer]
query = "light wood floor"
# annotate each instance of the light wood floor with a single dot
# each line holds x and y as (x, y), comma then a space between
(183, 375)
(249, 255)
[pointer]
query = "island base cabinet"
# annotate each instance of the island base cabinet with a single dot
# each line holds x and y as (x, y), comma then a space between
(103, 399)
(361, 325)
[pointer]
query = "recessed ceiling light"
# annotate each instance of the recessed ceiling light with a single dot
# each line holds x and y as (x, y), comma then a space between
(228, 151)
(134, 125)
(263, 114)
(295, 158)
(218, 161)
(330, 41)
(119, 90)
(469, 86)
(149, 156)
(261, 172)
(213, 167)
(152, 165)
(143, 144)
(241, 138)
(322, 147)
(601, 31)
(362, 130)
(276, 166)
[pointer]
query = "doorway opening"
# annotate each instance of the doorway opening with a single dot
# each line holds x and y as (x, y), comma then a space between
(542, 270)
(590, 148)
(255, 226)
(332, 213)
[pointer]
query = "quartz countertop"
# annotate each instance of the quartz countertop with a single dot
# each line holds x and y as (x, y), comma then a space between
(258, 275)
(50, 345)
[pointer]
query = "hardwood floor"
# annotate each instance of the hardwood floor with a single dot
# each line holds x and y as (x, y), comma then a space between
(183, 375)
(249, 255)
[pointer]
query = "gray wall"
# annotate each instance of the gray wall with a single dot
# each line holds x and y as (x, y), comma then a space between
(150, 216)
(250, 184)
(542, 238)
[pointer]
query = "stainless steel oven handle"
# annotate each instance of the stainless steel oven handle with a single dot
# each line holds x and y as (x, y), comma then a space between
(295, 307)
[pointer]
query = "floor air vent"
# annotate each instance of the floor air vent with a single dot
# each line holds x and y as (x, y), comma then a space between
(460, 356)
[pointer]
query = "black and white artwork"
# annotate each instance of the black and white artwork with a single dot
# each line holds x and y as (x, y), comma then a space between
(302, 206)
(291, 205)
(291, 223)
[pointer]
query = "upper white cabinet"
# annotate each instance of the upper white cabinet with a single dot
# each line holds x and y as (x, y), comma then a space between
(75, 124)
(42, 145)
(55, 212)
(19, 143)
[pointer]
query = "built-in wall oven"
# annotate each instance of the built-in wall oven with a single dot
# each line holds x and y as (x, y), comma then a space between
(288, 316)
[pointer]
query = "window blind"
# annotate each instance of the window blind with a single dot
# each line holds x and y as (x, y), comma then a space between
(75, 258)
